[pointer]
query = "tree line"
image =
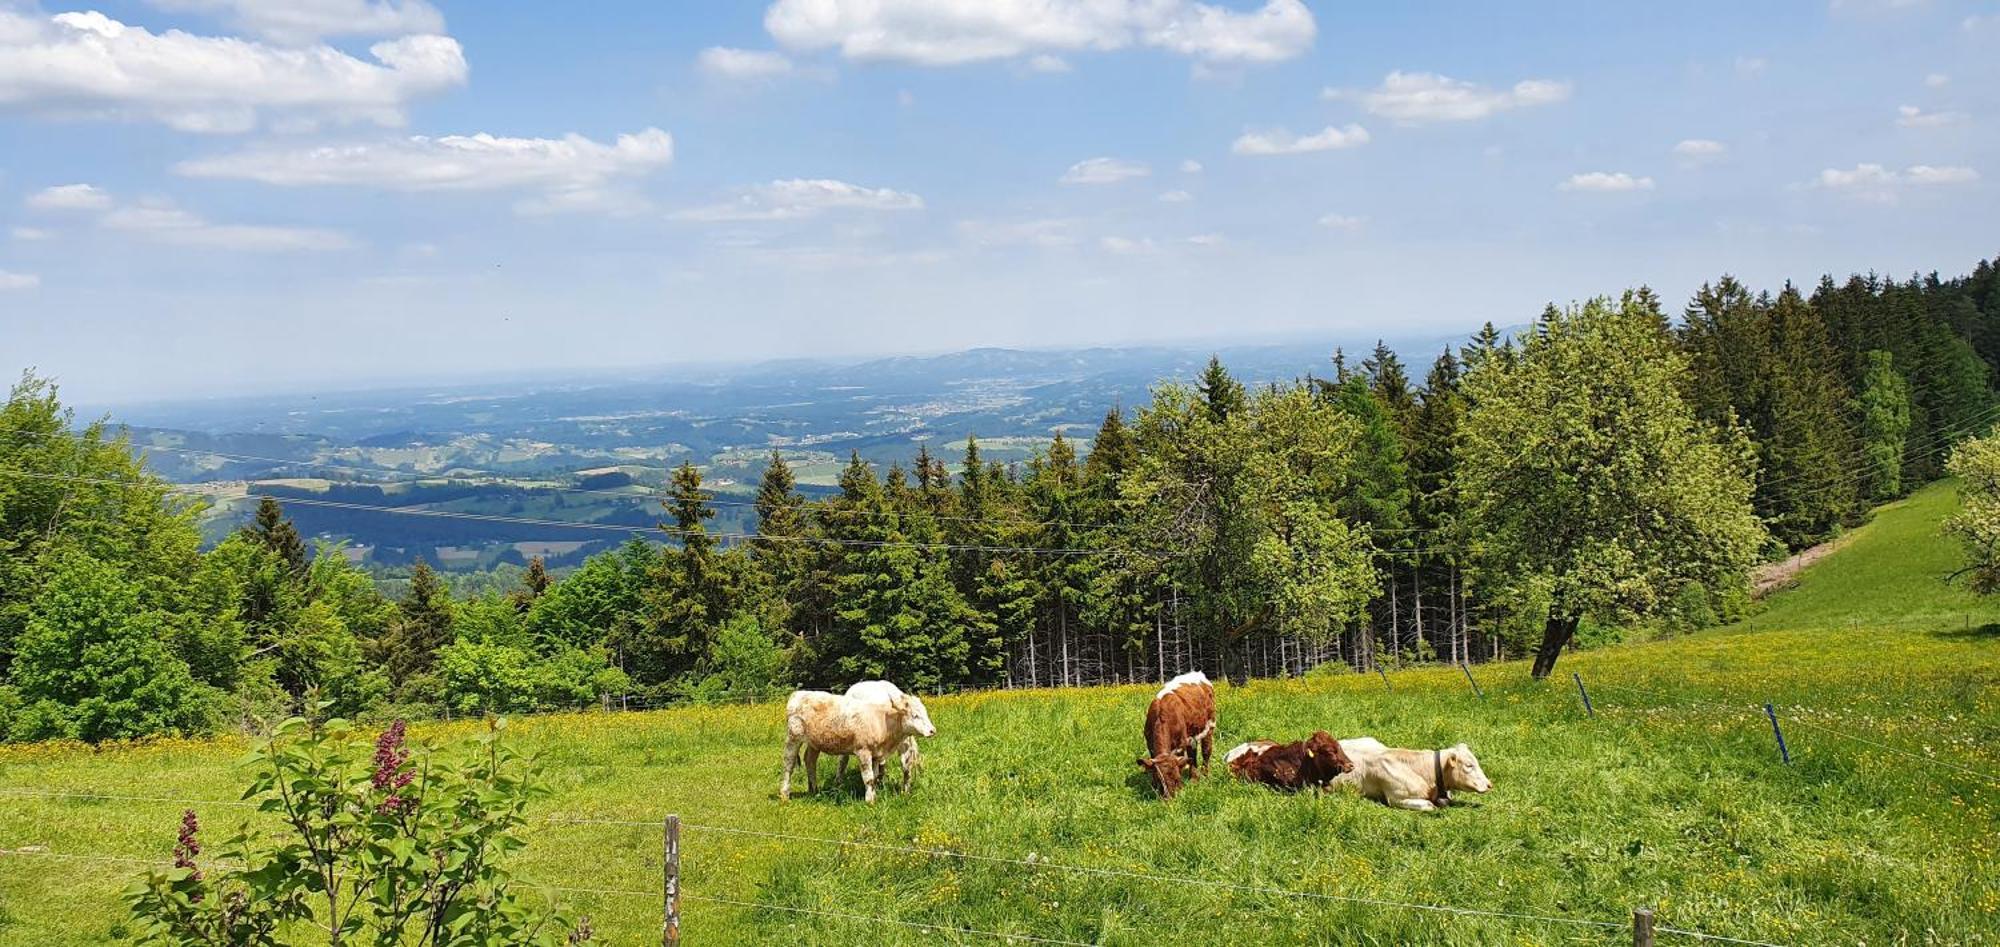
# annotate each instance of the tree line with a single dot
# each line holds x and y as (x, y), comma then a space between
(1607, 468)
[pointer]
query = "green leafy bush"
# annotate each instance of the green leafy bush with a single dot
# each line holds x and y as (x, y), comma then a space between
(381, 844)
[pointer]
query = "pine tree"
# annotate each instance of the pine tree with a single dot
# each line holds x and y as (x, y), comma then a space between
(1220, 392)
(423, 624)
(534, 582)
(1389, 382)
(899, 615)
(275, 533)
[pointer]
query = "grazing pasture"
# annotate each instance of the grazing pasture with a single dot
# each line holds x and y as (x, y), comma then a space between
(1672, 795)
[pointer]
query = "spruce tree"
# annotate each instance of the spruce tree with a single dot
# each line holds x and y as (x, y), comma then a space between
(423, 624)
(1220, 392)
(1883, 407)
(276, 533)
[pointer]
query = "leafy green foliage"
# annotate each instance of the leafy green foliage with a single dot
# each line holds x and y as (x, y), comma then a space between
(382, 843)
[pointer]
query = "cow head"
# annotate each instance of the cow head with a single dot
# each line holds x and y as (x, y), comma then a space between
(1462, 772)
(1328, 759)
(916, 719)
(1166, 772)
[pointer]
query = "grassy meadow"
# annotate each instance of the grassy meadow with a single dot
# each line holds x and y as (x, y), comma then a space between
(1672, 795)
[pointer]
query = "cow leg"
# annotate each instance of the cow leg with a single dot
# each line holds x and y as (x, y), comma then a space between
(1416, 805)
(910, 761)
(869, 771)
(812, 769)
(842, 778)
(1207, 747)
(791, 760)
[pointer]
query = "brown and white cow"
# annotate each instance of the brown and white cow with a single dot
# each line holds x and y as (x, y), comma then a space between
(1314, 762)
(1182, 717)
(818, 722)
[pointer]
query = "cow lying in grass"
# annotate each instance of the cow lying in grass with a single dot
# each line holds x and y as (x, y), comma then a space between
(818, 722)
(885, 693)
(1314, 762)
(1181, 717)
(1421, 780)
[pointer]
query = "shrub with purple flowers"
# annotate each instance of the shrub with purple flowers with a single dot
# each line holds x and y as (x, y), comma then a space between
(383, 843)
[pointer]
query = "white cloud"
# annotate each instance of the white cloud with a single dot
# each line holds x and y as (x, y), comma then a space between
(799, 197)
(930, 33)
(1910, 116)
(1281, 142)
(1700, 149)
(299, 22)
(1416, 98)
(573, 171)
(1606, 181)
(69, 197)
(1103, 171)
(1342, 222)
(723, 62)
(10, 281)
(29, 233)
(1874, 182)
(1127, 246)
(163, 222)
(1206, 240)
(1176, 197)
(1748, 66)
(1927, 174)
(89, 65)
(1978, 23)
(1937, 80)
(1049, 233)
(1043, 62)
(1190, 166)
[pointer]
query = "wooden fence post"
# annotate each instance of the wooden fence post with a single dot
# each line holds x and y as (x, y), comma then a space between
(1587, 709)
(1467, 668)
(1642, 927)
(670, 927)
(1783, 751)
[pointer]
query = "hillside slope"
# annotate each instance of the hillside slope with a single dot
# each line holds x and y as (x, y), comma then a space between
(1672, 795)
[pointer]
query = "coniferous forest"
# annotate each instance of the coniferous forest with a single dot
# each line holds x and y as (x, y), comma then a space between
(1615, 468)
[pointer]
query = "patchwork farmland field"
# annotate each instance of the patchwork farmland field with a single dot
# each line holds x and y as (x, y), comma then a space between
(1884, 829)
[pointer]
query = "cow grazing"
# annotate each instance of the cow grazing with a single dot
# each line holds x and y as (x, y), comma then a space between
(883, 692)
(818, 722)
(1420, 780)
(1313, 762)
(1181, 717)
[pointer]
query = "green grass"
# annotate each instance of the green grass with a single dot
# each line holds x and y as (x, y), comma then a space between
(1673, 797)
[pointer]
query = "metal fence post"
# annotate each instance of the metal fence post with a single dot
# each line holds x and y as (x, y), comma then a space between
(1783, 751)
(1385, 678)
(1467, 668)
(1587, 709)
(670, 926)
(1642, 927)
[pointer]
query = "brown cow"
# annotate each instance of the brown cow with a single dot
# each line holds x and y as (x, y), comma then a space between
(1312, 762)
(1181, 717)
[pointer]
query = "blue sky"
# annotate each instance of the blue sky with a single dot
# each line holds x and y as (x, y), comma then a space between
(214, 196)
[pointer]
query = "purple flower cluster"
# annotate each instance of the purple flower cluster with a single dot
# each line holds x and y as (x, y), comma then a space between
(188, 846)
(392, 772)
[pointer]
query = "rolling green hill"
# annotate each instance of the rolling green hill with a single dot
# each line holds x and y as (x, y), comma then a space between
(1885, 828)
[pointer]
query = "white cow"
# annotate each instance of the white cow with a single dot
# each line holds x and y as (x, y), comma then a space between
(1420, 780)
(818, 722)
(883, 692)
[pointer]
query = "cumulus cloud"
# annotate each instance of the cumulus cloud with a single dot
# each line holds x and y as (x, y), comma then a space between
(1910, 116)
(69, 197)
(1127, 246)
(1281, 142)
(16, 282)
(1342, 222)
(1700, 149)
(573, 171)
(1417, 98)
(1751, 66)
(1048, 233)
(1176, 197)
(1043, 62)
(29, 233)
(162, 221)
(1103, 171)
(928, 33)
(1606, 182)
(801, 197)
(1190, 166)
(723, 62)
(300, 22)
(1937, 80)
(90, 65)
(1874, 182)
